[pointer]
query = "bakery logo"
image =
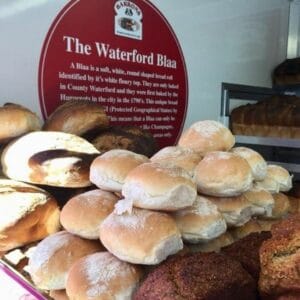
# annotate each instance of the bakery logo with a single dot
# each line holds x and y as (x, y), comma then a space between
(128, 20)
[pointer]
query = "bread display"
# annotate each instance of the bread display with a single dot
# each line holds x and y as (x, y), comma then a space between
(102, 276)
(17, 120)
(198, 276)
(206, 136)
(142, 237)
(255, 160)
(251, 226)
(54, 256)
(223, 174)
(50, 158)
(83, 214)
(200, 222)
(159, 187)
(287, 72)
(28, 214)
(279, 259)
(132, 138)
(177, 156)
(109, 170)
(277, 116)
(77, 117)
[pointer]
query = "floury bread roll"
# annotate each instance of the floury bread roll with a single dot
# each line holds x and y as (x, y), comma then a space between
(54, 256)
(223, 174)
(281, 206)
(262, 200)
(49, 158)
(255, 160)
(83, 213)
(102, 276)
(108, 171)
(28, 214)
(142, 237)
(159, 187)
(16, 120)
(277, 180)
(200, 222)
(236, 210)
(178, 156)
(77, 117)
(206, 136)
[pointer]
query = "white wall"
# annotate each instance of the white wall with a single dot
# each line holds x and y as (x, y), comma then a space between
(238, 41)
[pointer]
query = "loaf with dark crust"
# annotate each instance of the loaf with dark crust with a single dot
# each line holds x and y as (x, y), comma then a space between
(197, 276)
(77, 117)
(246, 251)
(287, 73)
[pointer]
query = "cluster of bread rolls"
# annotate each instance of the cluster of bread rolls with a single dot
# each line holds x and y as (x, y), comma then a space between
(201, 193)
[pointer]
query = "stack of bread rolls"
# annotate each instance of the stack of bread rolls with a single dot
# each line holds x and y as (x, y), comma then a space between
(135, 210)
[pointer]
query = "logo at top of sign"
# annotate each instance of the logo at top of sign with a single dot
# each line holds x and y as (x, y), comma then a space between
(128, 20)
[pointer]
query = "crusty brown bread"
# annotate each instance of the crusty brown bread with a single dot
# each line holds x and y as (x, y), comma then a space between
(246, 251)
(132, 138)
(198, 276)
(277, 116)
(77, 117)
(16, 120)
(279, 258)
(54, 256)
(102, 276)
(28, 214)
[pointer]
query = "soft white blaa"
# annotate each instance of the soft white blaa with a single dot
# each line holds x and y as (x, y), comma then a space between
(281, 176)
(256, 161)
(200, 222)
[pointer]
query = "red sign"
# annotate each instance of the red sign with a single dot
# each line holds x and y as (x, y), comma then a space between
(122, 55)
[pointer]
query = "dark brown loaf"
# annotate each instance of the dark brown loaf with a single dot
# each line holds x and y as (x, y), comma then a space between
(131, 138)
(277, 116)
(77, 117)
(198, 276)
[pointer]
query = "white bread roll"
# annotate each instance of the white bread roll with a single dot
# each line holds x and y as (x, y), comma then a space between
(277, 180)
(16, 120)
(281, 206)
(235, 210)
(102, 276)
(206, 136)
(49, 158)
(142, 237)
(262, 200)
(223, 174)
(249, 227)
(178, 156)
(200, 222)
(77, 117)
(255, 160)
(28, 214)
(214, 245)
(54, 256)
(108, 171)
(159, 187)
(83, 213)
